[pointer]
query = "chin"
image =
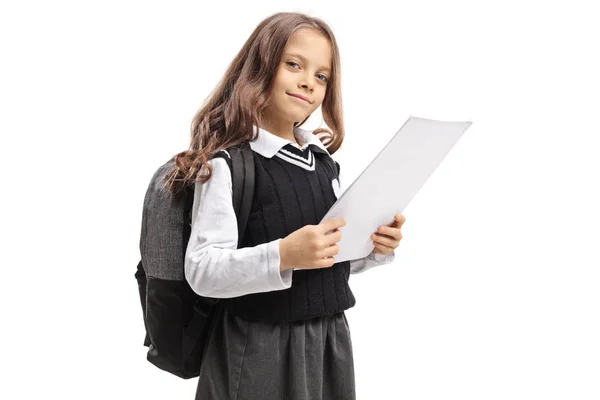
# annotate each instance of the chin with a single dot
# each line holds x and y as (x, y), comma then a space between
(295, 116)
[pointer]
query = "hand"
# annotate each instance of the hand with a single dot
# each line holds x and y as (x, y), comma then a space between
(387, 238)
(310, 246)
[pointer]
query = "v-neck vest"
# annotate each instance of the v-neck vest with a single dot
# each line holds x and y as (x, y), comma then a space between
(292, 189)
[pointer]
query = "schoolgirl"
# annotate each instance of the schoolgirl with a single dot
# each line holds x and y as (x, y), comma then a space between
(280, 331)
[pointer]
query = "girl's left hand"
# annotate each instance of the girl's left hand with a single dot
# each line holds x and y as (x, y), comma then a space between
(387, 238)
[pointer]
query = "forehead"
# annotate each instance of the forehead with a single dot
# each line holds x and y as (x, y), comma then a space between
(312, 45)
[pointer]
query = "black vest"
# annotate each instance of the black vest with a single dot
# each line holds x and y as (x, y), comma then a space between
(286, 198)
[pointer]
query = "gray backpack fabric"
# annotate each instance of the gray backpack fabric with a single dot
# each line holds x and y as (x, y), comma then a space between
(176, 319)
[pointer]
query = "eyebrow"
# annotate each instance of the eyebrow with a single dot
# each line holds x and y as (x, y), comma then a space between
(305, 60)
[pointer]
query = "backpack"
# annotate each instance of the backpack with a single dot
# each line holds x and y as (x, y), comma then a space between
(177, 319)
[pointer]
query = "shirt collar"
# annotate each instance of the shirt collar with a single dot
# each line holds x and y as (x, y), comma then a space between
(268, 144)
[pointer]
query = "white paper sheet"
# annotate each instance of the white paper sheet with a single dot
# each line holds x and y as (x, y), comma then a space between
(391, 180)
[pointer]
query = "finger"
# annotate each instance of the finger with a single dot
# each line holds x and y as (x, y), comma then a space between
(384, 249)
(377, 250)
(333, 238)
(332, 224)
(399, 220)
(389, 242)
(325, 262)
(391, 232)
(330, 251)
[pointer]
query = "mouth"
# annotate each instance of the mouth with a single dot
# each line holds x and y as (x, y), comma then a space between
(299, 97)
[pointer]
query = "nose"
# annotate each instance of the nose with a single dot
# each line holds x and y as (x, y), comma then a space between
(307, 83)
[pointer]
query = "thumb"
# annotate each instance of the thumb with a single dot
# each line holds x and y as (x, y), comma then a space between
(399, 219)
(333, 224)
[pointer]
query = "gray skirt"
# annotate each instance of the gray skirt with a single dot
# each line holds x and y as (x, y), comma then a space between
(299, 360)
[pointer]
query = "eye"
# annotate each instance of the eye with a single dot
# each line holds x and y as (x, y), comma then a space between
(291, 62)
(325, 79)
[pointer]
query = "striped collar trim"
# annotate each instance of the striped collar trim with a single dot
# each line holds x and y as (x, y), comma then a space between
(294, 155)
(268, 144)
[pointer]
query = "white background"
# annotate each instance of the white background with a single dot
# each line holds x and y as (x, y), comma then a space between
(494, 293)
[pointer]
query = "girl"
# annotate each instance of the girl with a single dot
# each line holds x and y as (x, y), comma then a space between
(280, 331)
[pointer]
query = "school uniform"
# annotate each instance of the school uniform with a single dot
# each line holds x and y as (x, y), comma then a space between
(276, 334)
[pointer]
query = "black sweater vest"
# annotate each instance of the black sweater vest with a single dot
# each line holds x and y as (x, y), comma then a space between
(286, 198)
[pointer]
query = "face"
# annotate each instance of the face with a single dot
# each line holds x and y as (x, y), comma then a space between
(304, 71)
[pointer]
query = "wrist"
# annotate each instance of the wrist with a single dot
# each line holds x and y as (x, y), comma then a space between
(282, 264)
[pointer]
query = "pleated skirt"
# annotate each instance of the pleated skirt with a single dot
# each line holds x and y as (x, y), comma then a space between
(298, 360)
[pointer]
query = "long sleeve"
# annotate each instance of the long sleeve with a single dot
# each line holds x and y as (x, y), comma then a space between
(214, 266)
(372, 259)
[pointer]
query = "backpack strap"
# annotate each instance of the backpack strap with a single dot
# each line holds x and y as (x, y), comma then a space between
(242, 176)
(326, 158)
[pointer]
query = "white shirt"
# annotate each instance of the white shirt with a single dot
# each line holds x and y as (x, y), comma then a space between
(214, 266)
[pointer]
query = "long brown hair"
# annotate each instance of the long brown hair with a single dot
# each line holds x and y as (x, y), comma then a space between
(227, 115)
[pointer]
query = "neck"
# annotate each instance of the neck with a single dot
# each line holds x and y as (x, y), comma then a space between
(283, 129)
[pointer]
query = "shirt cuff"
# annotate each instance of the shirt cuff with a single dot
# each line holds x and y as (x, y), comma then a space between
(371, 260)
(278, 279)
(383, 258)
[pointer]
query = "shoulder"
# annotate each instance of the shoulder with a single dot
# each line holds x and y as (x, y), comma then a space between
(221, 156)
(222, 161)
(220, 165)
(332, 167)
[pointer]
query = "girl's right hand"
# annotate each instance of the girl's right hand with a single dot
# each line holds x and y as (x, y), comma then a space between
(311, 246)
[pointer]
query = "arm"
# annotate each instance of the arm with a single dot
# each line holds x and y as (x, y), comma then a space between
(370, 261)
(214, 267)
